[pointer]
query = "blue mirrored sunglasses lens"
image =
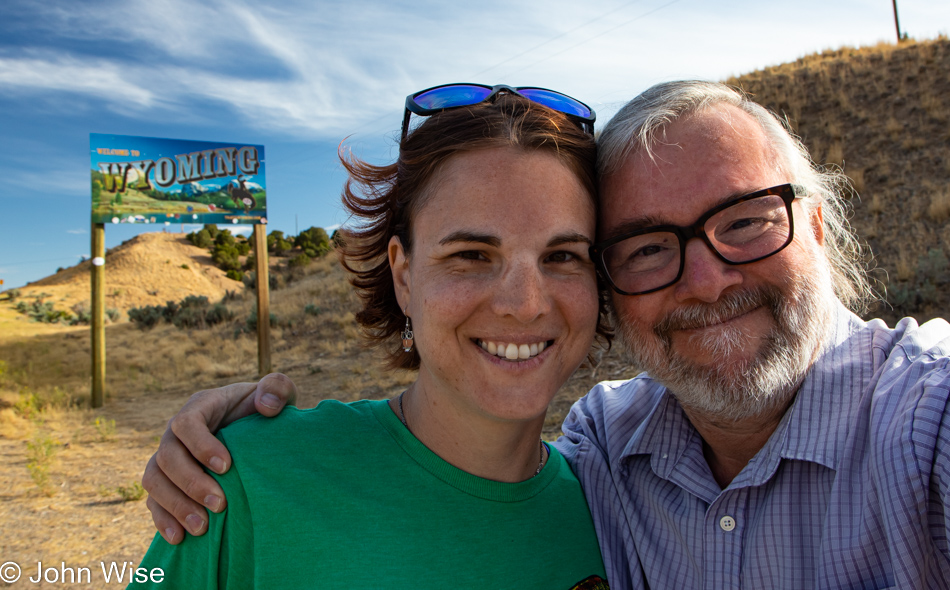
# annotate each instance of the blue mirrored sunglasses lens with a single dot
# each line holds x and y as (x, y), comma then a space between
(556, 101)
(458, 95)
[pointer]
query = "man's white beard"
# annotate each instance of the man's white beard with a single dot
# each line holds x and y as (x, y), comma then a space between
(728, 389)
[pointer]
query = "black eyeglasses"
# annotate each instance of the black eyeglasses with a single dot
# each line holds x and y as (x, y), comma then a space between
(740, 231)
(450, 96)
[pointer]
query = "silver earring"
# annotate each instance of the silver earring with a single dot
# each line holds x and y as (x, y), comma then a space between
(407, 337)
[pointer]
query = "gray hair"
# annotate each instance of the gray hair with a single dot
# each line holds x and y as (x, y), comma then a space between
(636, 127)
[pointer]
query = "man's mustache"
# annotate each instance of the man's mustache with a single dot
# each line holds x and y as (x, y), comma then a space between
(727, 307)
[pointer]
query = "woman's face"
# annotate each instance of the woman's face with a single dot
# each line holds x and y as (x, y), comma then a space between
(499, 262)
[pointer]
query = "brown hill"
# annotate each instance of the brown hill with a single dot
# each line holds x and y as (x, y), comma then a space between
(149, 269)
(882, 114)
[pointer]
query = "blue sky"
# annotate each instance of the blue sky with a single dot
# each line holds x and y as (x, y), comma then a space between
(302, 77)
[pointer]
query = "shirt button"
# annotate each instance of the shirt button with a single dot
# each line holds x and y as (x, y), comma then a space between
(727, 523)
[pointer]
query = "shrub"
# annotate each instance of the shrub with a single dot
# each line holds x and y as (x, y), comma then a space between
(282, 248)
(224, 238)
(226, 257)
(218, 313)
(40, 453)
(299, 260)
(250, 280)
(105, 428)
(194, 311)
(235, 275)
(131, 493)
(146, 317)
(311, 309)
(251, 322)
(934, 264)
(314, 242)
(43, 311)
(277, 244)
(83, 315)
(31, 403)
(191, 312)
(202, 239)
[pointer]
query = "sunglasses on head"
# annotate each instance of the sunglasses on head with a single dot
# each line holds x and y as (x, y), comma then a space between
(451, 96)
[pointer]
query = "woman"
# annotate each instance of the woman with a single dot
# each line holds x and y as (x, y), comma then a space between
(448, 484)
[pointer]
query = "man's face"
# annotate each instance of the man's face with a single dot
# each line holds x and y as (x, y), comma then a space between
(729, 341)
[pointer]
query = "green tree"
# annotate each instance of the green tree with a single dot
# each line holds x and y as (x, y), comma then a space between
(226, 257)
(202, 239)
(314, 242)
(224, 238)
(277, 244)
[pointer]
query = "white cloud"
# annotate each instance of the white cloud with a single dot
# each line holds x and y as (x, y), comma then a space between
(77, 231)
(95, 77)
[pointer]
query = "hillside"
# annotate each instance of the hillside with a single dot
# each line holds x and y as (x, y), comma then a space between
(148, 269)
(883, 115)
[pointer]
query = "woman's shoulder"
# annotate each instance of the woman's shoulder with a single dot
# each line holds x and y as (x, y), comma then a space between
(328, 420)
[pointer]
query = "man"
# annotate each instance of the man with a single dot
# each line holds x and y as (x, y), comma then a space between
(775, 439)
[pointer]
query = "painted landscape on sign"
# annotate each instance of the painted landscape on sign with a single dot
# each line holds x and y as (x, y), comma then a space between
(152, 180)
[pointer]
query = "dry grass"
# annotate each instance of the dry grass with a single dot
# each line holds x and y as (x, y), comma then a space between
(906, 266)
(939, 209)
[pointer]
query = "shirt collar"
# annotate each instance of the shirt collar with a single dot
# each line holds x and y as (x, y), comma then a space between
(815, 428)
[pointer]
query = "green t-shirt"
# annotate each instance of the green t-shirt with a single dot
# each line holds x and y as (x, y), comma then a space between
(344, 496)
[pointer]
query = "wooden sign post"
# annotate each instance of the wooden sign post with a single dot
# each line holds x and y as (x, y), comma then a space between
(263, 300)
(98, 314)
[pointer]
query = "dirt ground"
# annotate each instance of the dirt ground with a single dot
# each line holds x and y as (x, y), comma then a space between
(83, 521)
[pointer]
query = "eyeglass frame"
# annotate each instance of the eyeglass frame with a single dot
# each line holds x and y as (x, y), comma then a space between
(412, 107)
(788, 193)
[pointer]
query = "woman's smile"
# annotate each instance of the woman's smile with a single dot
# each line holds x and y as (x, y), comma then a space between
(511, 351)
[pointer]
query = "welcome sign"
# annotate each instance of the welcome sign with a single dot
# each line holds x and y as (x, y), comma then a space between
(152, 180)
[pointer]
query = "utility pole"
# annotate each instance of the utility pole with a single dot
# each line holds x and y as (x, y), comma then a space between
(897, 23)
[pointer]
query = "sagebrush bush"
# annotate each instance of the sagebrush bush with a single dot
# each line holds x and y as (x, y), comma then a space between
(299, 260)
(194, 311)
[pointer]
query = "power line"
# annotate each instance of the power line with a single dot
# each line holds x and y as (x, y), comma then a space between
(555, 38)
(601, 34)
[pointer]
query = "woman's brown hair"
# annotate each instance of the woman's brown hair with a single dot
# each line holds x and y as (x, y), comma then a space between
(386, 198)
